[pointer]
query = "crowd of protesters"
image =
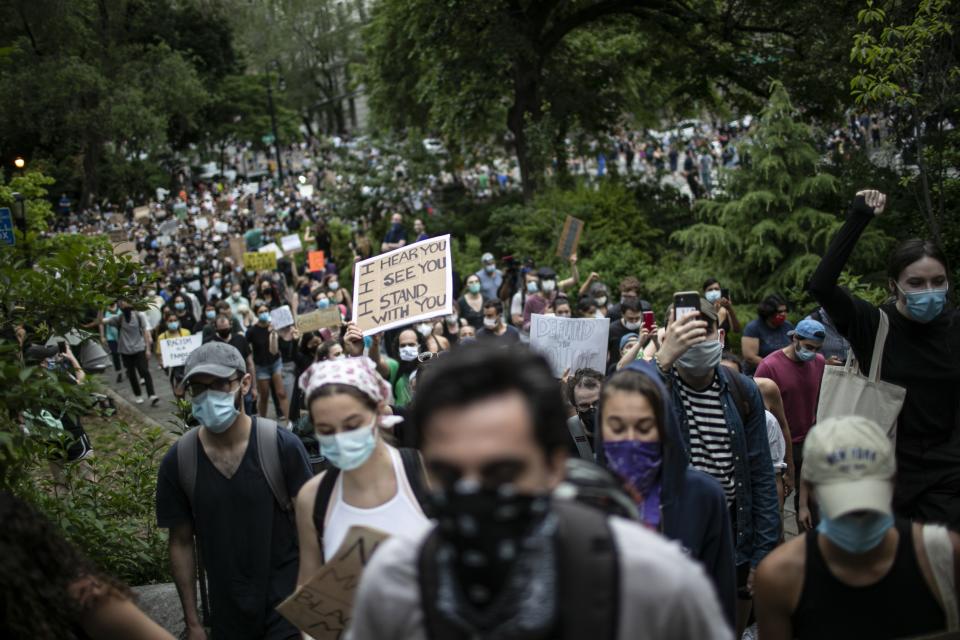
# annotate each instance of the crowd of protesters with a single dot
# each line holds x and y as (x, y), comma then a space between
(641, 500)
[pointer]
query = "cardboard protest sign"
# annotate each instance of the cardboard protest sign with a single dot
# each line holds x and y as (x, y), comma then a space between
(221, 227)
(316, 261)
(169, 227)
(281, 317)
(319, 319)
(569, 237)
(323, 607)
(306, 191)
(174, 351)
(271, 248)
(129, 247)
(291, 243)
(118, 236)
(570, 343)
(403, 286)
(223, 205)
(256, 261)
(141, 212)
(258, 206)
(201, 223)
(237, 249)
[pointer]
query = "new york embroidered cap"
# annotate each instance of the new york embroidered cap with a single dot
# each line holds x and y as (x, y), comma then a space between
(850, 463)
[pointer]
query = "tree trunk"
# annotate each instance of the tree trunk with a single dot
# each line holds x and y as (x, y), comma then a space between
(525, 101)
(560, 154)
(932, 219)
(91, 178)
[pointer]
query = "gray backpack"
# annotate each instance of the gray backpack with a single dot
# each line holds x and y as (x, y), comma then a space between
(268, 453)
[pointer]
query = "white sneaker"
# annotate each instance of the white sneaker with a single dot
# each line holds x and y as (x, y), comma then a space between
(154, 400)
(139, 400)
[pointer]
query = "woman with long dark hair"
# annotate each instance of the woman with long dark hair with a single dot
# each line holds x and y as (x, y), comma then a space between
(922, 354)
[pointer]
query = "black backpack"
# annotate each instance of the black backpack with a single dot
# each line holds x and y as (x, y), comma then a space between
(588, 580)
(268, 453)
(412, 467)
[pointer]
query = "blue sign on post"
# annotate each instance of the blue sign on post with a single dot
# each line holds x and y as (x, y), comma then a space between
(6, 228)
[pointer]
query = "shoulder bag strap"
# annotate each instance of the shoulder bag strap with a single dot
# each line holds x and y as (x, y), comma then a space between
(187, 462)
(579, 435)
(877, 359)
(939, 548)
(589, 573)
(322, 501)
(268, 451)
(413, 468)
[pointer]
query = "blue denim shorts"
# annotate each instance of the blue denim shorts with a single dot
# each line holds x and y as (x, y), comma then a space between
(265, 372)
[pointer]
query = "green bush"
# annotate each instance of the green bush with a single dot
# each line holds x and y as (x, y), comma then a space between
(105, 504)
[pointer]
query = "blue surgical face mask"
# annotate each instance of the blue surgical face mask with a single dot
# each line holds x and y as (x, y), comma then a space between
(712, 296)
(215, 410)
(350, 449)
(856, 532)
(173, 326)
(701, 358)
(924, 306)
(323, 303)
(333, 286)
(804, 355)
(179, 306)
(532, 287)
(489, 268)
(217, 282)
(211, 315)
(264, 317)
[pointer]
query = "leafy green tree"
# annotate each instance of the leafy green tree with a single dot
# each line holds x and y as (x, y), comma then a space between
(767, 236)
(908, 66)
(49, 284)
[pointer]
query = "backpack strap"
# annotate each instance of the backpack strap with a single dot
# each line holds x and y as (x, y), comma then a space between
(739, 393)
(187, 462)
(589, 573)
(579, 435)
(322, 502)
(268, 452)
(435, 625)
(413, 468)
(939, 548)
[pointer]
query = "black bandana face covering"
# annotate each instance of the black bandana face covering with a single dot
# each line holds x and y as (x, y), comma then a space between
(497, 547)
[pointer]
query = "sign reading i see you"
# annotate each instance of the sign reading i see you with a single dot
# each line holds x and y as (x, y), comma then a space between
(403, 286)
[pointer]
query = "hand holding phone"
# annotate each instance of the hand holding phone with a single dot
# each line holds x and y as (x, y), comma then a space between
(685, 303)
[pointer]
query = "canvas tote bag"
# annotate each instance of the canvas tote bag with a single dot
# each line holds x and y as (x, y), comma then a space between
(844, 391)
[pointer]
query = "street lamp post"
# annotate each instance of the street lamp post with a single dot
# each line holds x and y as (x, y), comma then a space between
(273, 125)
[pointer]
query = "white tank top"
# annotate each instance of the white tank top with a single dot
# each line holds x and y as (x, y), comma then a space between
(401, 514)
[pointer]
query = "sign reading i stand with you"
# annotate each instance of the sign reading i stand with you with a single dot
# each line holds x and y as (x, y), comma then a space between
(570, 343)
(403, 286)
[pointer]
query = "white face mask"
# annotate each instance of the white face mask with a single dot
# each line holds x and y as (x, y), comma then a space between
(425, 329)
(631, 326)
(409, 354)
(490, 323)
(549, 285)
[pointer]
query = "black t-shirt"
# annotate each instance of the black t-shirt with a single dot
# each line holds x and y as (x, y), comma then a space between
(248, 544)
(236, 340)
(259, 339)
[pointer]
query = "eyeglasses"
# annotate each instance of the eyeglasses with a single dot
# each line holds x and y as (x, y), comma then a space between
(427, 356)
(195, 389)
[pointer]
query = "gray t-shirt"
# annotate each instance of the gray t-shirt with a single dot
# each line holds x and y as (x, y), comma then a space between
(664, 594)
(130, 339)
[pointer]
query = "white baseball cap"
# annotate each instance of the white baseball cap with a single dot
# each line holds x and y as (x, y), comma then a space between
(850, 463)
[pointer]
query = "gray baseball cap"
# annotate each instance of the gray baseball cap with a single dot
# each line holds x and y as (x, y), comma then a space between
(487, 257)
(214, 358)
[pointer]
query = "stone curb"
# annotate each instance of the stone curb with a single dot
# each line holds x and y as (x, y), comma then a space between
(125, 407)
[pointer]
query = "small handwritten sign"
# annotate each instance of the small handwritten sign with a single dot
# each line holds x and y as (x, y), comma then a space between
(319, 319)
(256, 261)
(570, 237)
(281, 317)
(291, 243)
(316, 261)
(322, 608)
(403, 286)
(570, 343)
(175, 351)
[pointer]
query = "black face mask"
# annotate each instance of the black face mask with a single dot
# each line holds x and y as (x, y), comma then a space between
(485, 529)
(589, 420)
(223, 333)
